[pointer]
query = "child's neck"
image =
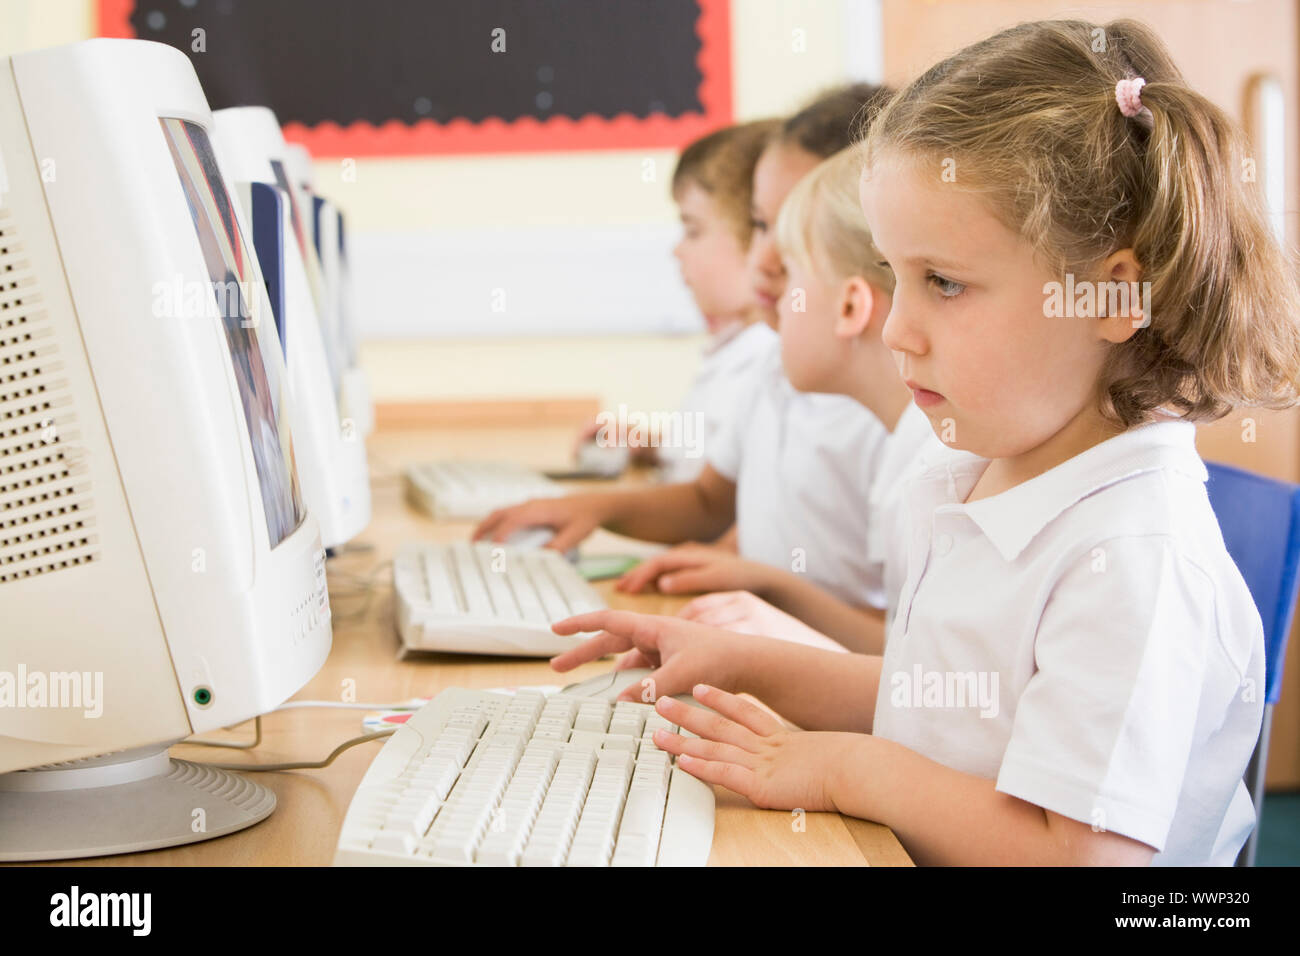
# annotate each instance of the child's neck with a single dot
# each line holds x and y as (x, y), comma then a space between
(876, 384)
(719, 323)
(1086, 429)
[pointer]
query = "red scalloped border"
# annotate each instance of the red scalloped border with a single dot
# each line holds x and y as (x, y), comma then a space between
(524, 135)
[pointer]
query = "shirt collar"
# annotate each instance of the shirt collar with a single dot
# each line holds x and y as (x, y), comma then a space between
(1012, 519)
(735, 329)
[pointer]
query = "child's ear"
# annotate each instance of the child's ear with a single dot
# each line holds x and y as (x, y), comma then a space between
(857, 302)
(1121, 272)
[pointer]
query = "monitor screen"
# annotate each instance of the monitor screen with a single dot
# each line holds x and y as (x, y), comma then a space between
(310, 259)
(268, 240)
(229, 266)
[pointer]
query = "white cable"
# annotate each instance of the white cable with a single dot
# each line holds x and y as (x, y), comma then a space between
(233, 745)
(302, 765)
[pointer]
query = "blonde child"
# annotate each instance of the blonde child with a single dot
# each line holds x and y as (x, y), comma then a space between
(794, 482)
(1071, 672)
(836, 301)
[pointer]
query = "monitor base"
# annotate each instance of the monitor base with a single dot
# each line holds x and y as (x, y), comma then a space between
(126, 802)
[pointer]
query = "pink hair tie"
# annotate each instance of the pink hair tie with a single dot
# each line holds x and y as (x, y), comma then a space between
(1128, 94)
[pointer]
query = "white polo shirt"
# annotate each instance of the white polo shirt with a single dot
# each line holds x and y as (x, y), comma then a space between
(1084, 639)
(910, 448)
(803, 464)
(729, 359)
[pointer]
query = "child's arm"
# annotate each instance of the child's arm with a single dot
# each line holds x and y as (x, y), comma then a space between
(703, 508)
(746, 613)
(692, 569)
(859, 629)
(941, 815)
(821, 689)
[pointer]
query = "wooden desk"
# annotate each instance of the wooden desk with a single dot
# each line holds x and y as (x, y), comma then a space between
(305, 826)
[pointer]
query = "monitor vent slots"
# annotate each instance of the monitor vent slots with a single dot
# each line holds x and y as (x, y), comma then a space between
(47, 522)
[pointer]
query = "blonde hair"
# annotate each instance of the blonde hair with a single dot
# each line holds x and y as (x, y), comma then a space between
(821, 226)
(722, 164)
(1030, 120)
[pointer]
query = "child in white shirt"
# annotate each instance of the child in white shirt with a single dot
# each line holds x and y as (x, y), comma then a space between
(836, 447)
(712, 187)
(1074, 672)
(807, 461)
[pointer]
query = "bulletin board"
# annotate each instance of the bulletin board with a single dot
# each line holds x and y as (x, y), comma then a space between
(428, 77)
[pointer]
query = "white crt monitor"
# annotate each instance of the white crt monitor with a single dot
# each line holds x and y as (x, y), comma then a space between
(331, 246)
(327, 230)
(159, 573)
(332, 459)
(297, 159)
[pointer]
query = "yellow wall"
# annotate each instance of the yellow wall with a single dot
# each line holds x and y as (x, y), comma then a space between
(558, 188)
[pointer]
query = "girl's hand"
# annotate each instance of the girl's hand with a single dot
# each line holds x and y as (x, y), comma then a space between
(573, 517)
(746, 749)
(695, 568)
(746, 613)
(681, 653)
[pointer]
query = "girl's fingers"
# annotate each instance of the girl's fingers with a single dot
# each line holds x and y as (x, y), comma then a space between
(643, 691)
(700, 578)
(631, 659)
(744, 712)
(570, 535)
(621, 631)
(704, 749)
(603, 620)
(589, 650)
(668, 679)
(638, 577)
(485, 526)
(730, 775)
(507, 523)
(706, 724)
(649, 571)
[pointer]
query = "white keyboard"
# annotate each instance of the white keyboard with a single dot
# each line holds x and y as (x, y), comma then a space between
(485, 598)
(489, 779)
(468, 489)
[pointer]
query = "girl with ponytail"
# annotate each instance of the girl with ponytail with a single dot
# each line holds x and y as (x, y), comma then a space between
(1082, 270)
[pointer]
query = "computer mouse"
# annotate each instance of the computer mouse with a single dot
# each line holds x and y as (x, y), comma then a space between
(608, 461)
(609, 685)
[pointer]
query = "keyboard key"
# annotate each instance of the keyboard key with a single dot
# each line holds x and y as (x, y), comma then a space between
(444, 593)
(395, 841)
(465, 568)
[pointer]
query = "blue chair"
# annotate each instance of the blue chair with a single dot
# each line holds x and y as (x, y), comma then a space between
(1260, 520)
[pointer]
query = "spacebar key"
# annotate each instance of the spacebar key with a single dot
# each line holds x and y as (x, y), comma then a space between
(638, 834)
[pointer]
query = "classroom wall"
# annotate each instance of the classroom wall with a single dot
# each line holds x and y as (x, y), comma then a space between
(574, 190)
(532, 198)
